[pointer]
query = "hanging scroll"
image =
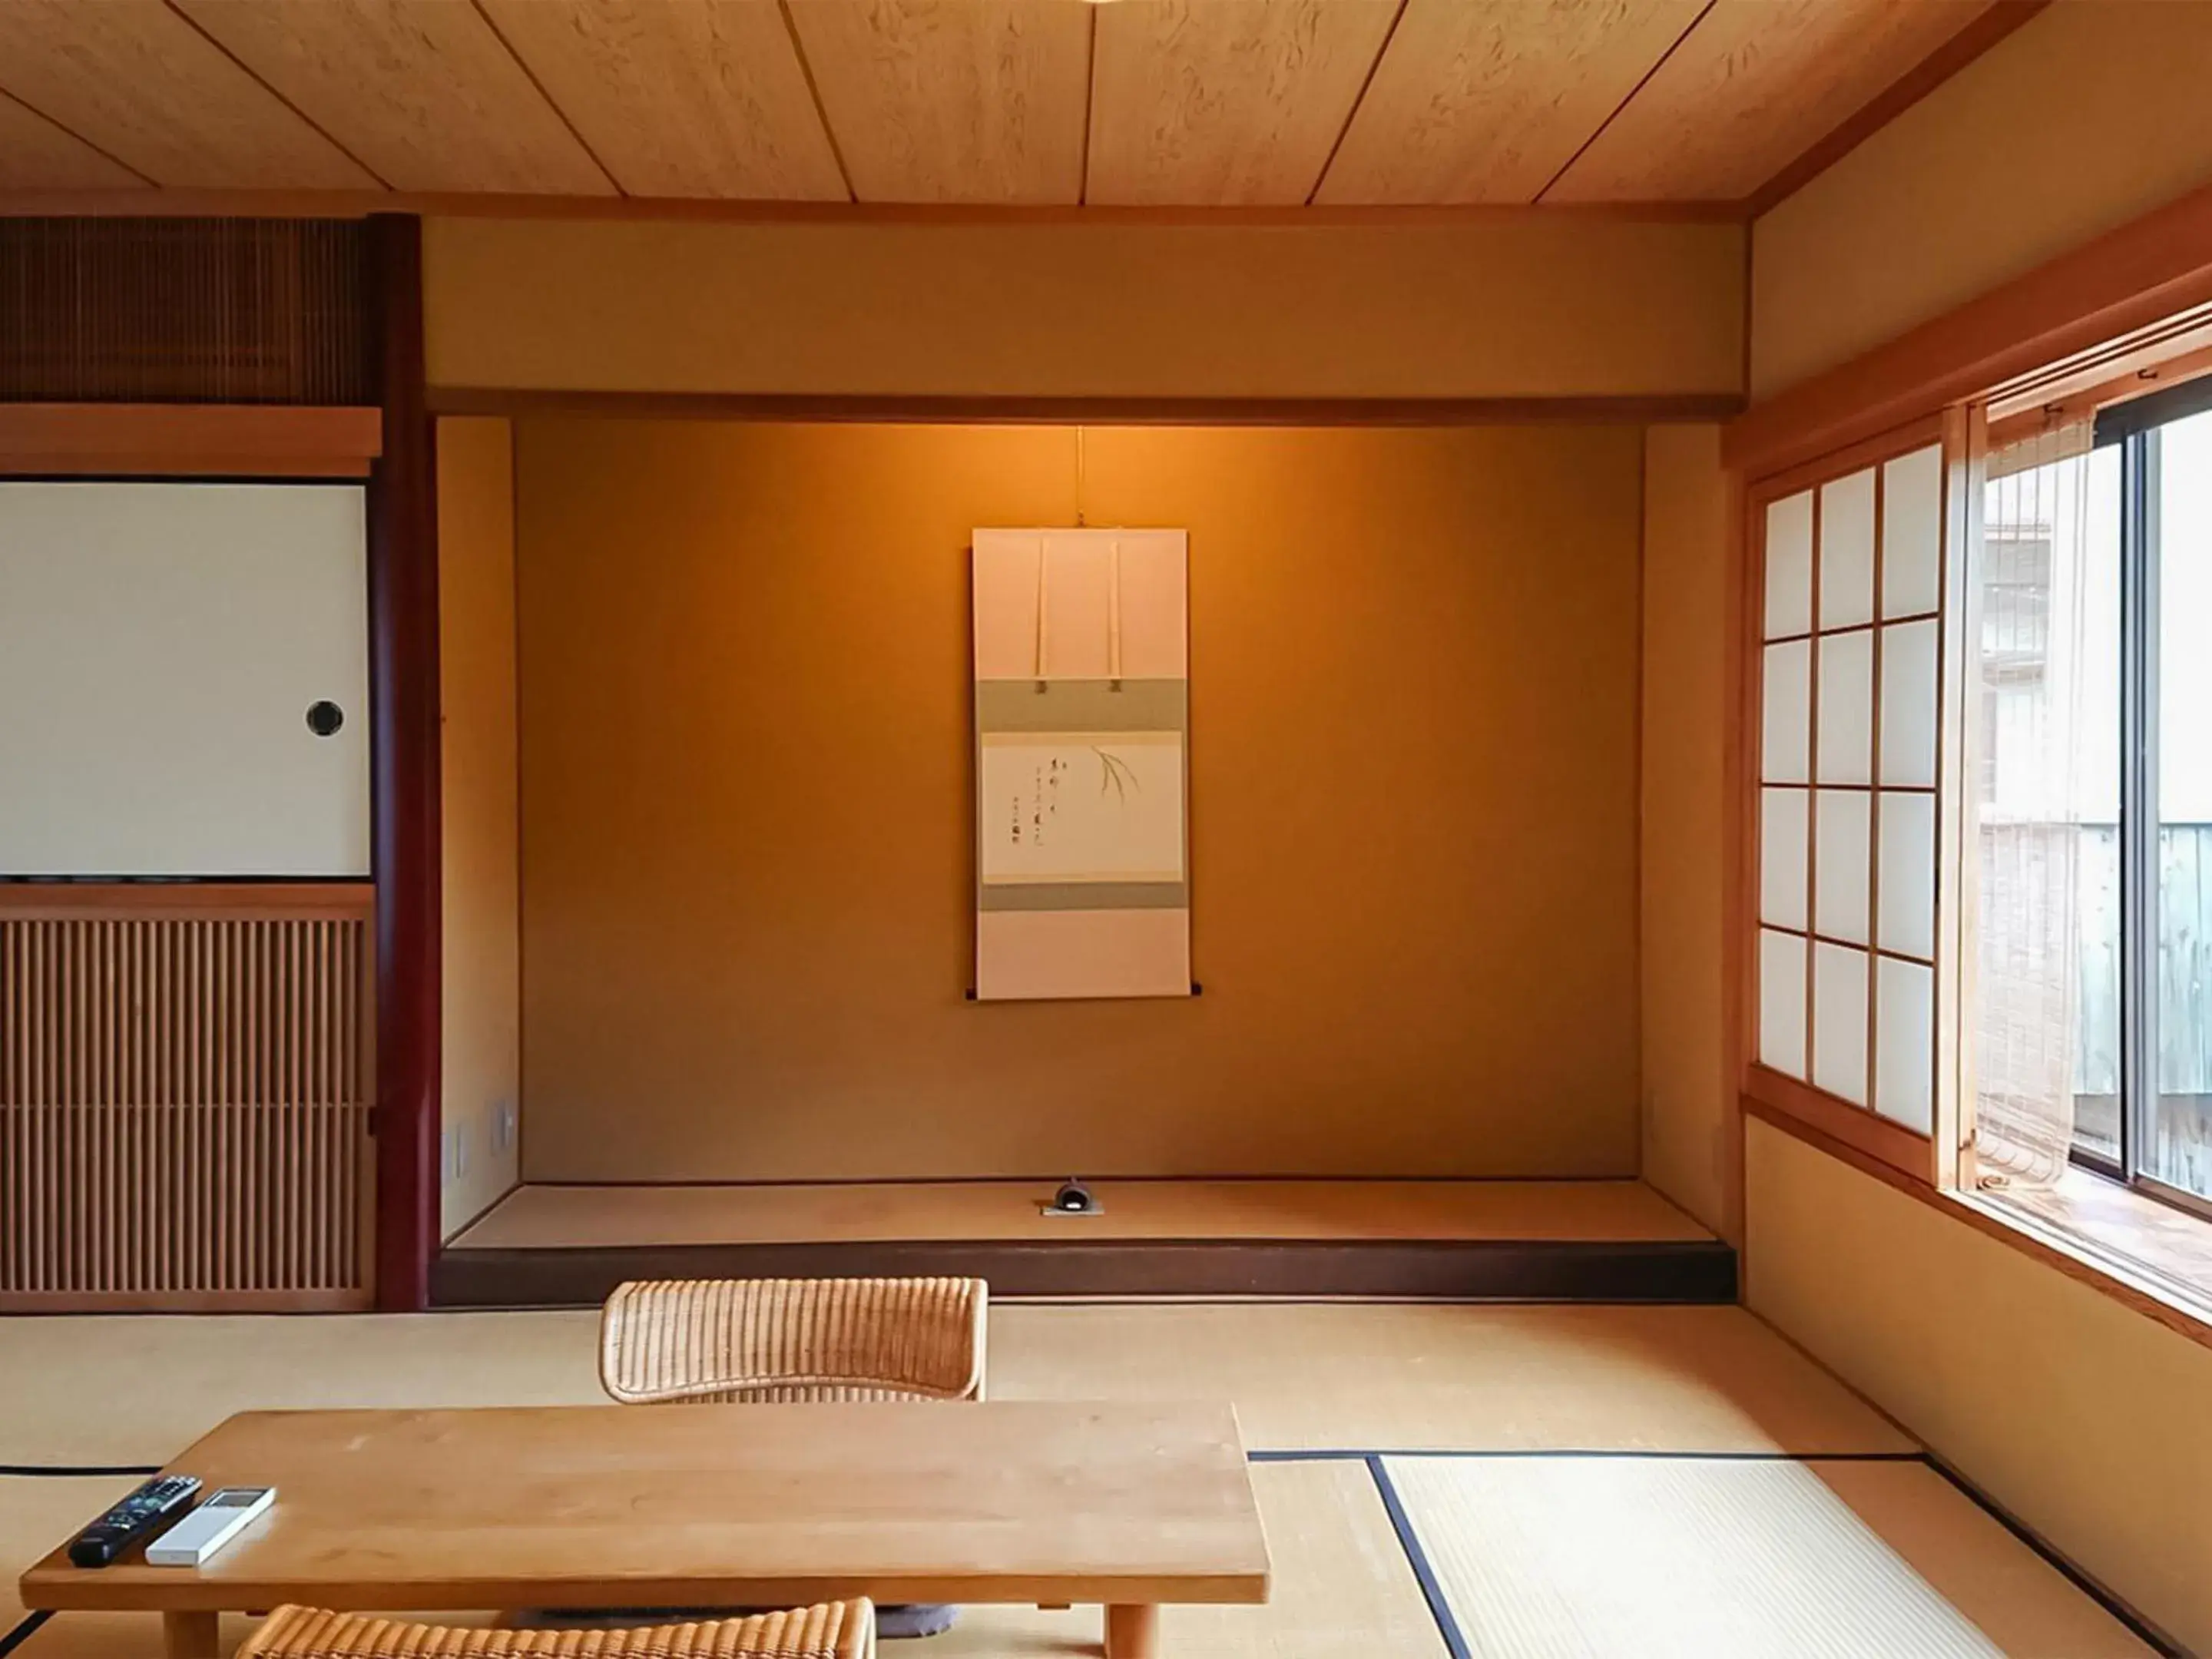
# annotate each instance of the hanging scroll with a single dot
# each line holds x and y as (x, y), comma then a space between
(1081, 726)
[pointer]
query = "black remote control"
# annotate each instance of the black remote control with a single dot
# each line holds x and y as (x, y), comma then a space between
(134, 1517)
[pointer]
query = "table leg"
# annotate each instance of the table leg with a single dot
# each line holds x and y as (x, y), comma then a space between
(1132, 1633)
(190, 1635)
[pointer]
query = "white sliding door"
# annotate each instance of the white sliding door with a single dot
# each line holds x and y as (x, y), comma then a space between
(184, 680)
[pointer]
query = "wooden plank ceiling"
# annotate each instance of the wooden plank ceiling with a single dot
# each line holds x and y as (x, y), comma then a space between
(1169, 103)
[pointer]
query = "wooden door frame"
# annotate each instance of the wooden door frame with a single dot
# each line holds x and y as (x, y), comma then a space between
(403, 694)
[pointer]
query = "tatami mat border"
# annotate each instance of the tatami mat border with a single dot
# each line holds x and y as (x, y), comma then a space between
(1417, 1558)
(1333, 1454)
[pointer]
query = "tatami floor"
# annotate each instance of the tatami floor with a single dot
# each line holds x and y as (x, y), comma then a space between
(1440, 1480)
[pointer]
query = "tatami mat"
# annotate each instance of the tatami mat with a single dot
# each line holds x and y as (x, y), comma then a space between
(1336, 1375)
(1535, 1556)
(1566, 1557)
(1542, 1557)
(1487, 1377)
(139, 1388)
(1342, 1586)
(1611, 1212)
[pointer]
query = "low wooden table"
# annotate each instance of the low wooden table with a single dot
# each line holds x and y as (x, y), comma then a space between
(703, 1506)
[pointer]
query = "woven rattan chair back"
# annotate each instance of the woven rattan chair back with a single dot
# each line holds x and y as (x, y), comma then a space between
(837, 1630)
(762, 1339)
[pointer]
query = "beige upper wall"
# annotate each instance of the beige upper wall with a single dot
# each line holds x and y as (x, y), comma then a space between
(1687, 1079)
(2083, 1418)
(2095, 113)
(1524, 305)
(747, 829)
(482, 1054)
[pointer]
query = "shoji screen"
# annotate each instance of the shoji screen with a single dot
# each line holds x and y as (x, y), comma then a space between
(184, 669)
(1850, 599)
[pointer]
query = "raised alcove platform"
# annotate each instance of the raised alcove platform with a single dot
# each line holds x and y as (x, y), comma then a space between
(1565, 1241)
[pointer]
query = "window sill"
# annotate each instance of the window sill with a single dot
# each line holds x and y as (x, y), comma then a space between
(2155, 1259)
(2166, 1250)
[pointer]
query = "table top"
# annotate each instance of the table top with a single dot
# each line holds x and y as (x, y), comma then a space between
(712, 1505)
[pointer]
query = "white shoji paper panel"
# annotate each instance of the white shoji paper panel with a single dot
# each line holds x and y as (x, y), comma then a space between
(1907, 866)
(1908, 704)
(1912, 532)
(1782, 848)
(1847, 550)
(1782, 1002)
(1843, 872)
(1790, 566)
(1785, 743)
(1839, 1022)
(1844, 750)
(1904, 1036)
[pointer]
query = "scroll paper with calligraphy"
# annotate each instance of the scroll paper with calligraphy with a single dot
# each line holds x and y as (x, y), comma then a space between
(1081, 729)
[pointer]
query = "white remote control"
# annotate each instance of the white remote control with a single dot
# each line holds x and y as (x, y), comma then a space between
(194, 1541)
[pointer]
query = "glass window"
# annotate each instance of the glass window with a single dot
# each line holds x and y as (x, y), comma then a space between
(2091, 800)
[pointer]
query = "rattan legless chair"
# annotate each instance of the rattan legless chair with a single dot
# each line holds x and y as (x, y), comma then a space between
(671, 1340)
(769, 1340)
(838, 1630)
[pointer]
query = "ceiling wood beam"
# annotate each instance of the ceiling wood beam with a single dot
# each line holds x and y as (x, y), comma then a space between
(1699, 407)
(484, 204)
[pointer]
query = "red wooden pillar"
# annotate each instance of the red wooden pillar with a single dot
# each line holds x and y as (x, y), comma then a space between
(403, 620)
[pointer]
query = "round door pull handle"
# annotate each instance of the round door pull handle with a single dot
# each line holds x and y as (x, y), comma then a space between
(324, 717)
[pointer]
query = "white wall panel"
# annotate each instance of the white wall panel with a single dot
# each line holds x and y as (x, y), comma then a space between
(161, 644)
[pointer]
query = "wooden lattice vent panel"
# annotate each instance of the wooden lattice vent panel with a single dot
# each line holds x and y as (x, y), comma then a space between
(185, 1095)
(230, 311)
